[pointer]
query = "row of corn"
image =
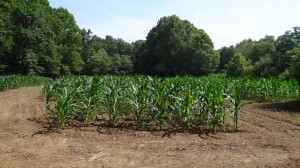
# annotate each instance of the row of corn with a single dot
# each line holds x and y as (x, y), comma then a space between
(182, 101)
(16, 81)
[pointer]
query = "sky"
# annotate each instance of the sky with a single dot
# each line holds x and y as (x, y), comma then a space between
(227, 22)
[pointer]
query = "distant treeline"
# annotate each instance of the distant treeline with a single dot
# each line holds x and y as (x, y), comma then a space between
(38, 39)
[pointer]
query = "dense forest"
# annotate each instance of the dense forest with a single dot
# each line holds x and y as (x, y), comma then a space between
(40, 40)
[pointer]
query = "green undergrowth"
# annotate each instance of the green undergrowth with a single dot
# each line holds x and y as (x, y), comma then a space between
(17, 81)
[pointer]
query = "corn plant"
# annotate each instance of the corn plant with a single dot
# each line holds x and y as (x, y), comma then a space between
(16, 81)
(161, 101)
(113, 99)
(139, 98)
(215, 100)
(66, 106)
(166, 101)
(93, 98)
(236, 100)
(183, 99)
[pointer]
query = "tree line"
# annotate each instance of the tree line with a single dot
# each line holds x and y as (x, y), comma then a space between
(40, 40)
(267, 57)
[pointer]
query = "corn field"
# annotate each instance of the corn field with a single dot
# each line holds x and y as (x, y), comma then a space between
(16, 81)
(163, 102)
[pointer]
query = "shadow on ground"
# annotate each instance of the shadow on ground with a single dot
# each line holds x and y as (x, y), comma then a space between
(289, 106)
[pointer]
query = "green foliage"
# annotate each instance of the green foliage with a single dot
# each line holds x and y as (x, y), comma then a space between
(237, 66)
(16, 81)
(33, 50)
(270, 57)
(245, 47)
(226, 54)
(176, 47)
(106, 56)
(86, 44)
(215, 97)
(69, 41)
(261, 49)
(36, 39)
(126, 65)
(167, 102)
(294, 68)
(236, 101)
(264, 67)
(284, 44)
(288, 40)
(99, 63)
(5, 34)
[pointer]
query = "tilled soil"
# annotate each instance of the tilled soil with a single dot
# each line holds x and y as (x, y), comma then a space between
(269, 137)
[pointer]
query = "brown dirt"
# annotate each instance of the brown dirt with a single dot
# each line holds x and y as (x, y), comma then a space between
(270, 137)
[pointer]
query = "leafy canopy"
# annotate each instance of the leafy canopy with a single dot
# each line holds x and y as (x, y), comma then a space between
(177, 47)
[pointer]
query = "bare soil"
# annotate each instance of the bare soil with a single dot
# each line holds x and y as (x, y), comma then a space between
(269, 137)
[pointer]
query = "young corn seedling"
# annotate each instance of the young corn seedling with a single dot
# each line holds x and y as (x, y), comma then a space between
(113, 100)
(66, 106)
(93, 102)
(216, 102)
(160, 101)
(139, 99)
(236, 100)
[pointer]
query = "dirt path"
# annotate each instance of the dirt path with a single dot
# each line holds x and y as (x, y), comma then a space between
(269, 139)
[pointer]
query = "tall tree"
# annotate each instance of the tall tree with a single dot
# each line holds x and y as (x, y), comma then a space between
(226, 54)
(265, 67)
(6, 7)
(86, 44)
(111, 45)
(261, 49)
(69, 41)
(238, 66)
(126, 66)
(294, 68)
(99, 63)
(176, 47)
(285, 43)
(245, 47)
(268, 38)
(34, 50)
(124, 48)
(136, 51)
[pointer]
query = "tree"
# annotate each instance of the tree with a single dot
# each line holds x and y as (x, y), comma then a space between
(34, 49)
(115, 64)
(136, 51)
(226, 54)
(111, 45)
(237, 66)
(261, 49)
(284, 44)
(268, 38)
(176, 47)
(6, 41)
(264, 67)
(245, 47)
(96, 43)
(288, 40)
(69, 41)
(126, 66)
(124, 48)
(120, 64)
(99, 63)
(294, 68)
(86, 44)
